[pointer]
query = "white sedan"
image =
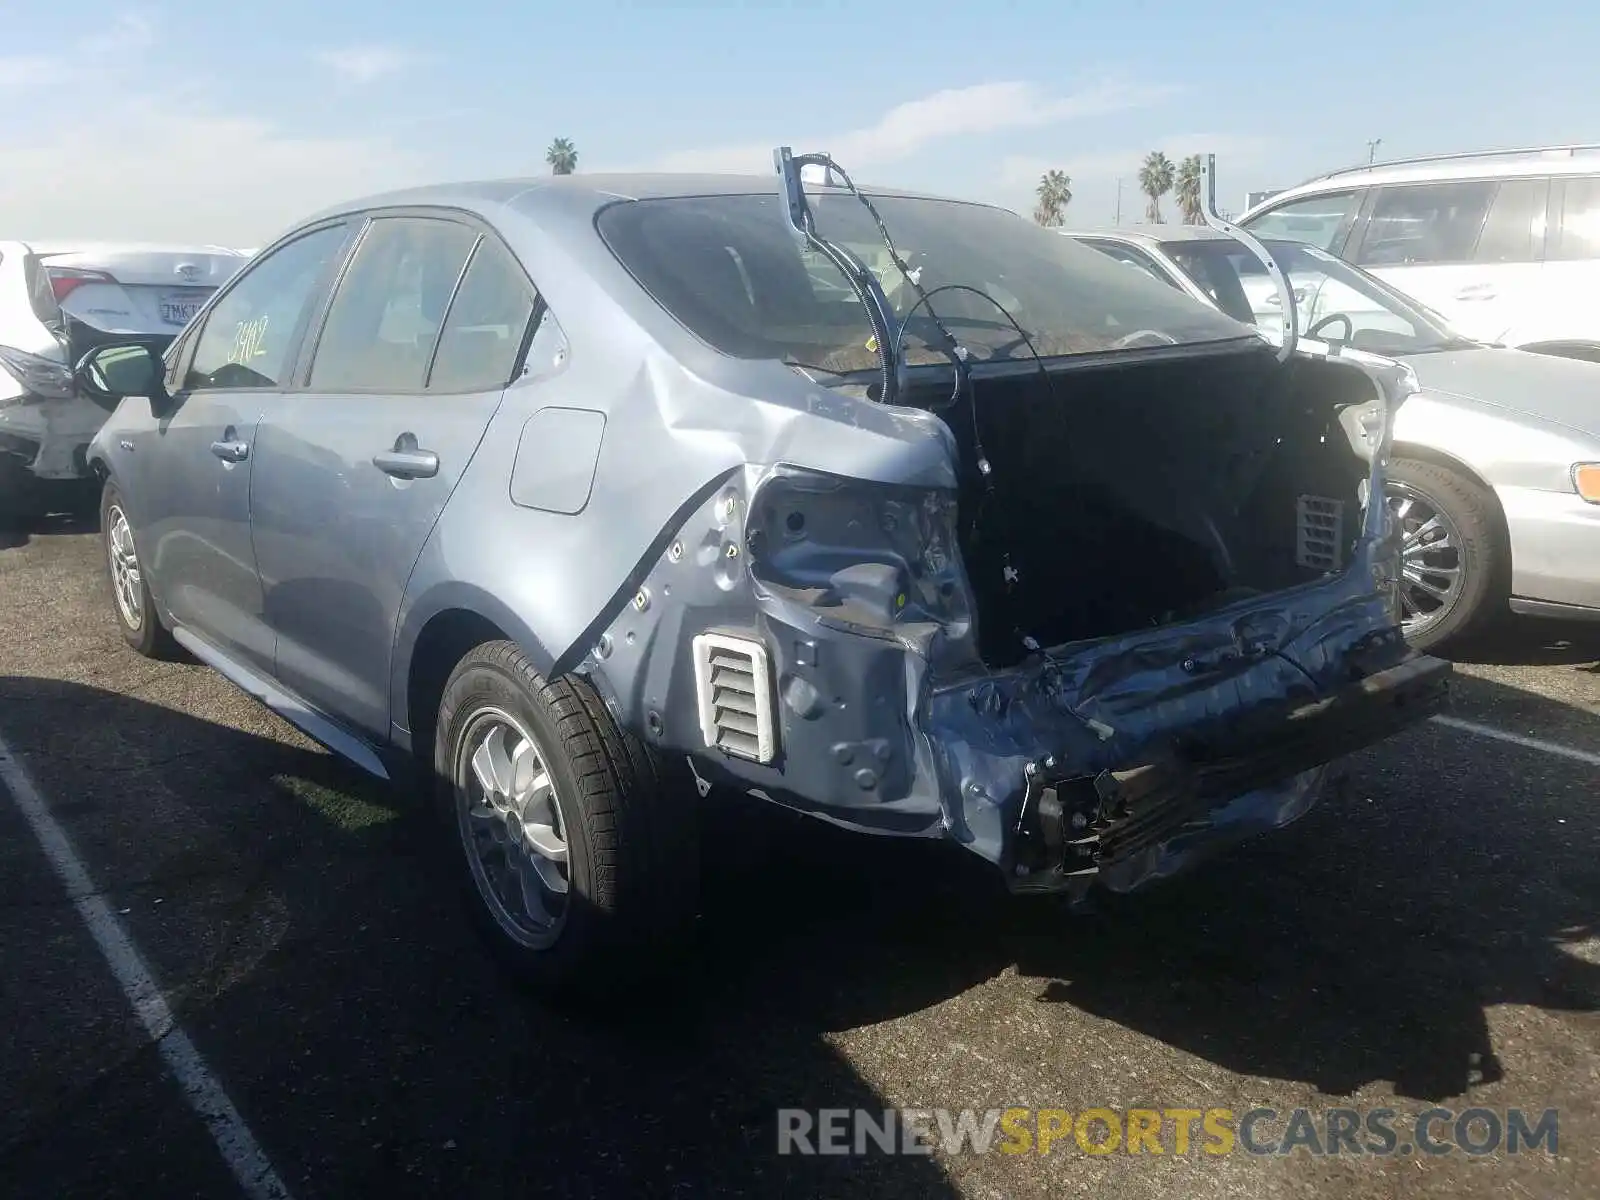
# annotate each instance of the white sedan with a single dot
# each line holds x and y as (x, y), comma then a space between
(58, 302)
(1496, 470)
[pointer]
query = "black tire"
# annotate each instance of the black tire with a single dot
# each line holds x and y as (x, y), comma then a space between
(1484, 557)
(143, 629)
(632, 862)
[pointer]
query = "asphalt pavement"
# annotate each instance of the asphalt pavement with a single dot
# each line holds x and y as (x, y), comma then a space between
(1426, 939)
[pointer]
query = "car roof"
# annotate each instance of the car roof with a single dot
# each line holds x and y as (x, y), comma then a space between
(1489, 164)
(531, 194)
(52, 248)
(1152, 234)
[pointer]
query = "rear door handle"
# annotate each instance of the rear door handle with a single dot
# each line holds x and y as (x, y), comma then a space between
(407, 460)
(1476, 291)
(231, 450)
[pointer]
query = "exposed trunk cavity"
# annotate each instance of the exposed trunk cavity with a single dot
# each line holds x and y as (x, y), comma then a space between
(1135, 495)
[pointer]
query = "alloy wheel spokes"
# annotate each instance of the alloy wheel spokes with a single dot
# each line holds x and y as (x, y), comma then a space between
(126, 580)
(1431, 563)
(515, 823)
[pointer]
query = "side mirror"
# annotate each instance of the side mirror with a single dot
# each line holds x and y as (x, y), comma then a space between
(116, 370)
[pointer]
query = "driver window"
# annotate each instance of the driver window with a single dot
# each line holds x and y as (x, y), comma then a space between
(390, 306)
(250, 334)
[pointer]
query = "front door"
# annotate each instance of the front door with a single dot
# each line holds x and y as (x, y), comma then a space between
(353, 470)
(194, 469)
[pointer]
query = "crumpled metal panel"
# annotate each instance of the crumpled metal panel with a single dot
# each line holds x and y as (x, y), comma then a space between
(893, 726)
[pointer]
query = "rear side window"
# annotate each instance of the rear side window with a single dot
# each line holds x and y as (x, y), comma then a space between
(484, 330)
(1420, 223)
(387, 313)
(1319, 220)
(1514, 230)
(251, 332)
(1576, 208)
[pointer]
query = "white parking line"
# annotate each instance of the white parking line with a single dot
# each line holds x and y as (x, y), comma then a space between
(200, 1087)
(1517, 739)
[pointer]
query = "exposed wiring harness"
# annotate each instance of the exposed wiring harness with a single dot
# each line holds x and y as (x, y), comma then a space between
(890, 356)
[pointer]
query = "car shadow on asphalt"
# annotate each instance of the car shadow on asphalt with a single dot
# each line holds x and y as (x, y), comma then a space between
(314, 945)
(1531, 642)
(309, 934)
(67, 510)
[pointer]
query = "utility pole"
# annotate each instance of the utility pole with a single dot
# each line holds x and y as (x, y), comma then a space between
(1119, 201)
(1372, 149)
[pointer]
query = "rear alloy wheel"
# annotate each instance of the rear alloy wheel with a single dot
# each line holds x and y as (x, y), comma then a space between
(513, 825)
(130, 591)
(579, 868)
(1452, 556)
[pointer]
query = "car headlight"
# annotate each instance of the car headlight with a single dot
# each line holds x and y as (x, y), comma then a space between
(1586, 478)
(41, 377)
(868, 555)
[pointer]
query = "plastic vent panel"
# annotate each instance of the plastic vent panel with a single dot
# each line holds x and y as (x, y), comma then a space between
(733, 682)
(1319, 533)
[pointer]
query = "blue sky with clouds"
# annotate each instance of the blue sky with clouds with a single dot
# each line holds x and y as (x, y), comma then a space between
(214, 122)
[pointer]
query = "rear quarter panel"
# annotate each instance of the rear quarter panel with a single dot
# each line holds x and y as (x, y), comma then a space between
(679, 422)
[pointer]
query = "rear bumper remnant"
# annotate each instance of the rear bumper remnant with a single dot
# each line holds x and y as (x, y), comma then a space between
(1123, 823)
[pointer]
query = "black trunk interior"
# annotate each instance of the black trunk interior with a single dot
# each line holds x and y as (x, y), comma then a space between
(1131, 495)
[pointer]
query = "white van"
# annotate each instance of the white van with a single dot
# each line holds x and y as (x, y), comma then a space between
(1504, 245)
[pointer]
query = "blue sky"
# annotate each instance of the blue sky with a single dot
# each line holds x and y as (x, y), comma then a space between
(213, 122)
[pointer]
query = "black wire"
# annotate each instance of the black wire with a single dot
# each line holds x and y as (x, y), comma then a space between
(963, 376)
(954, 349)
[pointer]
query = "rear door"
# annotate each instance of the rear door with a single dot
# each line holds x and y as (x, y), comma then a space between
(353, 468)
(1468, 249)
(1568, 312)
(189, 491)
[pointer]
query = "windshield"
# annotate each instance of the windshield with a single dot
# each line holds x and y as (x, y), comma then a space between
(732, 271)
(1333, 300)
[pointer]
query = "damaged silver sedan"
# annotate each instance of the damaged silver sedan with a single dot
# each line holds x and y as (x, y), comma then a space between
(898, 511)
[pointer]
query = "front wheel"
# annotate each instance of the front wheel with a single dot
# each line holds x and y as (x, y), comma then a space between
(130, 589)
(1453, 559)
(579, 868)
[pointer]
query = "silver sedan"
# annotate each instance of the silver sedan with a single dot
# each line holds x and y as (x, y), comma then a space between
(1496, 471)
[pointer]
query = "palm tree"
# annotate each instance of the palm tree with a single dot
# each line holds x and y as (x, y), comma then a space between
(1188, 190)
(1155, 181)
(562, 156)
(1055, 193)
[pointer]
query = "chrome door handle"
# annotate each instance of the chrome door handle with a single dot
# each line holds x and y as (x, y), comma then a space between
(407, 464)
(231, 451)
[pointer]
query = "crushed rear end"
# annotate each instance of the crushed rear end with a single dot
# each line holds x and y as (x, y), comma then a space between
(1095, 673)
(1091, 613)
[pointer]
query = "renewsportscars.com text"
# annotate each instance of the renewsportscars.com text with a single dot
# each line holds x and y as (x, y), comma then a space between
(1177, 1131)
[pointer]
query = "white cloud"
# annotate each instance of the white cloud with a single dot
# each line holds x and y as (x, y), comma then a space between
(127, 33)
(80, 169)
(227, 179)
(20, 71)
(123, 37)
(363, 64)
(908, 127)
